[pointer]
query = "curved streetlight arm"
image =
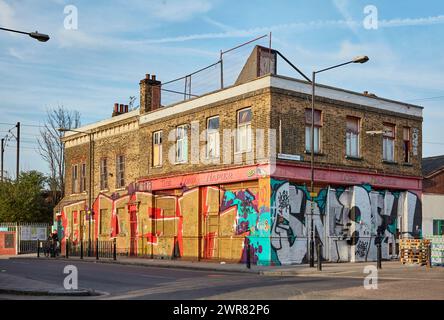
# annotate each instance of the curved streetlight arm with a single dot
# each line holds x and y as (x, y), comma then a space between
(35, 35)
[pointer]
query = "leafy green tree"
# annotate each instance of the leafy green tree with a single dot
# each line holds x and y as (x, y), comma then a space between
(25, 200)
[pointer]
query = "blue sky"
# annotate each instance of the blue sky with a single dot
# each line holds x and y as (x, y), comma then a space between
(118, 41)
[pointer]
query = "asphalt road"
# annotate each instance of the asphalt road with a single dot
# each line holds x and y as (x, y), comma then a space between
(137, 282)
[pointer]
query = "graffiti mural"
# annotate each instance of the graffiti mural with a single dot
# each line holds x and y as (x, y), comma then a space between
(167, 224)
(271, 217)
(349, 222)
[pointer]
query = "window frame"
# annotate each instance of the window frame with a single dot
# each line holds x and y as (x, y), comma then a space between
(348, 138)
(317, 131)
(391, 139)
(157, 135)
(216, 133)
(182, 143)
(74, 180)
(120, 173)
(406, 155)
(104, 173)
(247, 126)
(82, 178)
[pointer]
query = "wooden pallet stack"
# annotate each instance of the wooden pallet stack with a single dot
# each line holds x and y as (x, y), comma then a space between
(414, 251)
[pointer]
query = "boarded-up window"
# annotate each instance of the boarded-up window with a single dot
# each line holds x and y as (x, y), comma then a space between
(105, 222)
(9, 241)
(157, 149)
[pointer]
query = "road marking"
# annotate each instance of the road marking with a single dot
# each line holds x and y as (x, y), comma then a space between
(181, 285)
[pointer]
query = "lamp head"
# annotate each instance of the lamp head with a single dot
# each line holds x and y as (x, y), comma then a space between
(360, 59)
(39, 36)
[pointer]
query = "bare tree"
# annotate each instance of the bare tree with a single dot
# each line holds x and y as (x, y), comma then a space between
(51, 147)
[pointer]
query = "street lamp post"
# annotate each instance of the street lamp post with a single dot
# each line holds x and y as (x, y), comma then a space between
(90, 135)
(359, 59)
(35, 35)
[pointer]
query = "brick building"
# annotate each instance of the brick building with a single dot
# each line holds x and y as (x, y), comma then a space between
(161, 187)
(433, 196)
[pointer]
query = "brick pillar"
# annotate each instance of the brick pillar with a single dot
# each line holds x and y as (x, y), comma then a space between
(149, 94)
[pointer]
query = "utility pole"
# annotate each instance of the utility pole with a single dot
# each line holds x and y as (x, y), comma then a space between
(2, 156)
(18, 151)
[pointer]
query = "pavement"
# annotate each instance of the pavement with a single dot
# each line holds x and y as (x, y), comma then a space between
(137, 278)
(285, 270)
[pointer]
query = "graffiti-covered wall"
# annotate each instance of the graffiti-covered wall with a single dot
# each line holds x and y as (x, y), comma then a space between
(214, 222)
(271, 216)
(348, 221)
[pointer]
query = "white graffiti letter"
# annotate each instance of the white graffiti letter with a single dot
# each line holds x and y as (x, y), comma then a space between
(71, 280)
(371, 20)
(71, 21)
(371, 281)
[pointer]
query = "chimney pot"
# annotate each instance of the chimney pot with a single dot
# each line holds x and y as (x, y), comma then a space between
(147, 76)
(116, 107)
(153, 77)
(126, 108)
(121, 108)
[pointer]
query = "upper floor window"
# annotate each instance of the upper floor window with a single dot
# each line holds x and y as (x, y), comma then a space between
(406, 144)
(83, 177)
(120, 171)
(317, 125)
(243, 133)
(103, 174)
(157, 149)
(74, 178)
(388, 143)
(181, 143)
(352, 137)
(213, 139)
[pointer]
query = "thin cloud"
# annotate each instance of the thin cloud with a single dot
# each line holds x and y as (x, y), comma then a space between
(300, 26)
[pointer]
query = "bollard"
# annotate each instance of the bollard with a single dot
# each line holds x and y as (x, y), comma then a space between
(319, 252)
(248, 256)
(311, 253)
(379, 256)
(81, 249)
(67, 249)
(114, 249)
(38, 248)
(97, 249)
(429, 255)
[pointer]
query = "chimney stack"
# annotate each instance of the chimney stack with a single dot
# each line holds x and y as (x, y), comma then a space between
(150, 93)
(119, 109)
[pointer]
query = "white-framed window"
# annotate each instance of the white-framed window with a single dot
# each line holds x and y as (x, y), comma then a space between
(120, 171)
(74, 178)
(213, 137)
(388, 143)
(157, 149)
(103, 174)
(352, 137)
(316, 131)
(243, 132)
(406, 144)
(181, 144)
(83, 177)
